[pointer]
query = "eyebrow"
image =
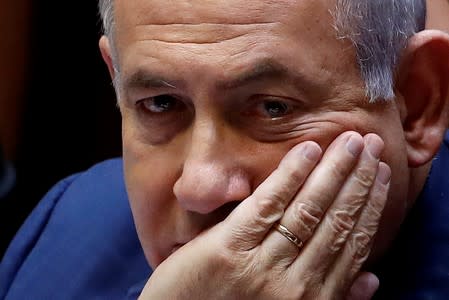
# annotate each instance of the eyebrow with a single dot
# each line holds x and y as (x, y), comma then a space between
(261, 70)
(266, 69)
(143, 79)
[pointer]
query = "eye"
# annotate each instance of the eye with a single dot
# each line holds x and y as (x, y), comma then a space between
(160, 118)
(273, 108)
(161, 104)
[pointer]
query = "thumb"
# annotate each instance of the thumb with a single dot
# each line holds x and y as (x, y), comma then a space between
(364, 287)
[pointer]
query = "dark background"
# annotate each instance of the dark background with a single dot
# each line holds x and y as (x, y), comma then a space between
(69, 117)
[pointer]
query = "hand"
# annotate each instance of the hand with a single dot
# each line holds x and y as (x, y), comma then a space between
(364, 287)
(333, 206)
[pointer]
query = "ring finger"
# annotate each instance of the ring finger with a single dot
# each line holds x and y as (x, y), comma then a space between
(319, 191)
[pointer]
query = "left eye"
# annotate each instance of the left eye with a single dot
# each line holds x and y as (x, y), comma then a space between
(274, 108)
(161, 104)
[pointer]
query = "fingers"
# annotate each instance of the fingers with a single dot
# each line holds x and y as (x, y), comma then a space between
(364, 287)
(358, 246)
(251, 221)
(332, 233)
(317, 194)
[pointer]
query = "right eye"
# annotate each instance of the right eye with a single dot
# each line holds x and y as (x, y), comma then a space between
(162, 117)
(161, 104)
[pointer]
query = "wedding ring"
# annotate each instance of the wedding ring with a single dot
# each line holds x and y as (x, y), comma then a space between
(288, 234)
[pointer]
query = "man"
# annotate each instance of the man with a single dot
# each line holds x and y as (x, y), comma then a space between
(260, 142)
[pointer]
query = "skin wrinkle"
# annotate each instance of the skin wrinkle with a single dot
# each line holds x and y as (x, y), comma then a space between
(186, 42)
(190, 49)
(309, 129)
(243, 51)
(254, 146)
(175, 38)
(205, 23)
(201, 33)
(162, 13)
(227, 162)
(306, 123)
(340, 8)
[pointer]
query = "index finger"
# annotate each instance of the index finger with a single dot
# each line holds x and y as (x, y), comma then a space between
(255, 216)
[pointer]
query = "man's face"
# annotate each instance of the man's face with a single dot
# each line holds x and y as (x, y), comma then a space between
(215, 93)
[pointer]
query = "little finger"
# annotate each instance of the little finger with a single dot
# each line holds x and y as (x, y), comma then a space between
(358, 246)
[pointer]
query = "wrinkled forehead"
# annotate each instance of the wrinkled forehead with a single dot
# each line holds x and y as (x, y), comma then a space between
(309, 13)
(208, 33)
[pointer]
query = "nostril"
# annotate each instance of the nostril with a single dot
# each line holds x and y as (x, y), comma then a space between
(226, 209)
(220, 214)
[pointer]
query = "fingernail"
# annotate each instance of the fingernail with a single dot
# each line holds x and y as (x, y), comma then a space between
(374, 147)
(354, 145)
(312, 152)
(384, 173)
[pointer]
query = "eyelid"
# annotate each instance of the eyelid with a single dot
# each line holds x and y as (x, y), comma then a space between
(254, 106)
(136, 94)
(180, 105)
(292, 104)
(140, 100)
(291, 101)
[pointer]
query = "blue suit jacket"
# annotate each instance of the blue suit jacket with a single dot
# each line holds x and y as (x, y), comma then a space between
(80, 243)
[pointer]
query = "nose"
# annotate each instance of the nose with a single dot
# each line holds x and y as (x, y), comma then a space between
(213, 173)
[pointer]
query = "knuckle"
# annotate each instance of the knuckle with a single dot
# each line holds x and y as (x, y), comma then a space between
(364, 177)
(341, 223)
(269, 207)
(239, 238)
(360, 244)
(308, 215)
(354, 202)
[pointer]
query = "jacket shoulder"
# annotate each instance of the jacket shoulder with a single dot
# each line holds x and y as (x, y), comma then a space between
(80, 235)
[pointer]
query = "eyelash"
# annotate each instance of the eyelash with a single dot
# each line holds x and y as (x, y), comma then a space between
(267, 107)
(260, 105)
(174, 105)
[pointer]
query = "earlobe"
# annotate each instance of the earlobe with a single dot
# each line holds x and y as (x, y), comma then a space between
(423, 83)
(106, 53)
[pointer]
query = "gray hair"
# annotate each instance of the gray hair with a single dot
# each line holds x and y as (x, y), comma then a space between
(378, 29)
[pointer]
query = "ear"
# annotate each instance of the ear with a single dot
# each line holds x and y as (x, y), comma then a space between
(106, 53)
(423, 83)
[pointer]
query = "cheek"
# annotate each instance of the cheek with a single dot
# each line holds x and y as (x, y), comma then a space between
(322, 131)
(149, 176)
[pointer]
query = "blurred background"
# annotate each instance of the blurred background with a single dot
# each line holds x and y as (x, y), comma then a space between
(57, 107)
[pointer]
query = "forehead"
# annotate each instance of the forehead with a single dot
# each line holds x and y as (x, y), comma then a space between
(201, 34)
(310, 13)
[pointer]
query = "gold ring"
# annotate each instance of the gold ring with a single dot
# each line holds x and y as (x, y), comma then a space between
(288, 234)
